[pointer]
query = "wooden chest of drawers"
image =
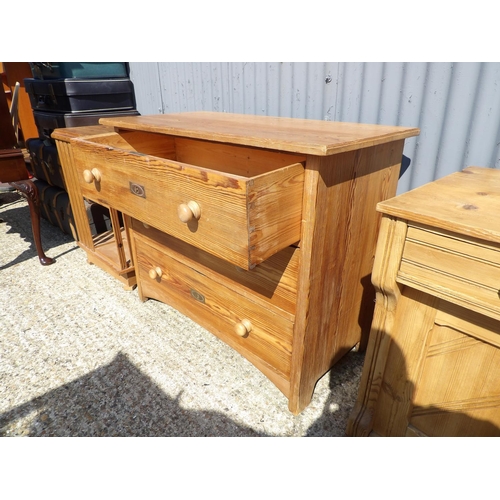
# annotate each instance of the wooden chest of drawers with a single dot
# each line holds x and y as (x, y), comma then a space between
(261, 229)
(433, 360)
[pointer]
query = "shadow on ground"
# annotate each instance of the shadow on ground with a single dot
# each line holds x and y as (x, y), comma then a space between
(115, 400)
(119, 400)
(17, 217)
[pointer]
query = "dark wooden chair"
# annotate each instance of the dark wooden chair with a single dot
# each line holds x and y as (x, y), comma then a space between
(14, 172)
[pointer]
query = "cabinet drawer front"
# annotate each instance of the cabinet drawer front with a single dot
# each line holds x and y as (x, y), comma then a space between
(463, 270)
(218, 309)
(243, 220)
(272, 283)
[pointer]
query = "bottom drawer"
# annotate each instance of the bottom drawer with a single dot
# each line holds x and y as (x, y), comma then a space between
(260, 334)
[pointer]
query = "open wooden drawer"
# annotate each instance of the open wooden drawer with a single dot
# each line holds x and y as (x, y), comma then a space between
(238, 203)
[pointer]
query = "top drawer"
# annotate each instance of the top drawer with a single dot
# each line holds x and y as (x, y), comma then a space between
(461, 269)
(238, 203)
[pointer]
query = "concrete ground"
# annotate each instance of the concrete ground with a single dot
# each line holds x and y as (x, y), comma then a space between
(81, 356)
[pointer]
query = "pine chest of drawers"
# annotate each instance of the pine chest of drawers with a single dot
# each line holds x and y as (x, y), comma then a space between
(261, 229)
(432, 366)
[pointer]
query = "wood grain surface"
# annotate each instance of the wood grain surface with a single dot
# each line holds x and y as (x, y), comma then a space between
(243, 219)
(316, 137)
(433, 360)
(465, 202)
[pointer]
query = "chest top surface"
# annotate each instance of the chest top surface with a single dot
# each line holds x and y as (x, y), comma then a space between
(316, 137)
(467, 202)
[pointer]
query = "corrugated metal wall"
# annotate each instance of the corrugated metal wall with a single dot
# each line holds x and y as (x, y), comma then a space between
(456, 105)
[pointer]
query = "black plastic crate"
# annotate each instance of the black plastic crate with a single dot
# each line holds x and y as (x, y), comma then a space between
(47, 122)
(76, 95)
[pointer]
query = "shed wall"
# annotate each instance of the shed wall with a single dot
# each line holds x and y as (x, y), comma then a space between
(456, 105)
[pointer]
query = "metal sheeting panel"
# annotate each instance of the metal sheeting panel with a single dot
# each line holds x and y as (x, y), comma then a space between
(456, 105)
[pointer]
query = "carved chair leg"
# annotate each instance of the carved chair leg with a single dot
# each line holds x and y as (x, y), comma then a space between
(30, 192)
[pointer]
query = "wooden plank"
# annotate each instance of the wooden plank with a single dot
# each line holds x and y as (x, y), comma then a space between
(119, 243)
(455, 242)
(472, 296)
(461, 266)
(316, 137)
(340, 228)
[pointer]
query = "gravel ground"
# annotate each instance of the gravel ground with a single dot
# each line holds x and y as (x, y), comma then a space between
(81, 356)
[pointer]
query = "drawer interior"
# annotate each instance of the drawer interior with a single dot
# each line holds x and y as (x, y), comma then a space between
(231, 159)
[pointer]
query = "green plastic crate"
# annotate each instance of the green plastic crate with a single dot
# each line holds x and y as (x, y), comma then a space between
(55, 70)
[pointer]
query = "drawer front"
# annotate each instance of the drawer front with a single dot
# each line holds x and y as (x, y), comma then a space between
(220, 310)
(463, 270)
(243, 220)
(272, 283)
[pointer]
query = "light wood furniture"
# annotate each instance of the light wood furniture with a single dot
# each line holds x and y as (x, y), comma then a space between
(261, 229)
(432, 366)
(110, 250)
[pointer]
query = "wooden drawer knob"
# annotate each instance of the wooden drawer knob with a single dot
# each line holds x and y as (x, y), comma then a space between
(92, 175)
(155, 272)
(189, 211)
(243, 328)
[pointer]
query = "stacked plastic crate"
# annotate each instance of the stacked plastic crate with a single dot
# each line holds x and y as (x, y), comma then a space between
(72, 94)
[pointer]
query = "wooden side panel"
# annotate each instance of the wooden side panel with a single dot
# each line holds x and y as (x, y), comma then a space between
(340, 228)
(238, 160)
(75, 195)
(148, 143)
(274, 220)
(390, 246)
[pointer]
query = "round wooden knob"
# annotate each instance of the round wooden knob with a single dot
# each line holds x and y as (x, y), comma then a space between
(243, 328)
(155, 272)
(92, 175)
(189, 211)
